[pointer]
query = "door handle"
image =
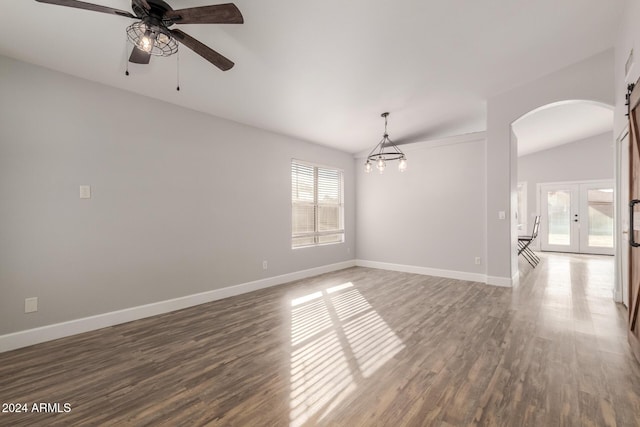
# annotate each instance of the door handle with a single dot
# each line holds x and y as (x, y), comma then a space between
(632, 237)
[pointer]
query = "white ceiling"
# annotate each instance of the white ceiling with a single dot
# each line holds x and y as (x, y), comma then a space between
(561, 123)
(323, 71)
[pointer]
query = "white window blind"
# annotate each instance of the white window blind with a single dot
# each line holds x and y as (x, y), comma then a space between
(316, 205)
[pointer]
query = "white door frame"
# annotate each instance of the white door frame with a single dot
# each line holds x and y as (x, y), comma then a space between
(621, 172)
(579, 191)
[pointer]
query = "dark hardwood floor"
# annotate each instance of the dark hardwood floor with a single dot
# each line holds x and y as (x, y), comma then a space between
(357, 347)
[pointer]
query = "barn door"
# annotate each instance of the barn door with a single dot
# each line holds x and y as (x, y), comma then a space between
(634, 217)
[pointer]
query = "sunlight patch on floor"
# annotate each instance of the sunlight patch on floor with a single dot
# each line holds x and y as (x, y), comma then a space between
(372, 341)
(308, 320)
(337, 338)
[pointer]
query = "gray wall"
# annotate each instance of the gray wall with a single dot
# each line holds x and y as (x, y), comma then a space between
(590, 80)
(182, 202)
(587, 159)
(628, 39)
(432, 215)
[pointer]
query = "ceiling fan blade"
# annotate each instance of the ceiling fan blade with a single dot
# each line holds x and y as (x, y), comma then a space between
(139, 56)
(216, 14)
(205, 51)
(89, 6)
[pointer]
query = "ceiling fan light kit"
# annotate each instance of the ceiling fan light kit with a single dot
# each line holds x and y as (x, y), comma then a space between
(152, 35)
(151, 41)
(385, 151)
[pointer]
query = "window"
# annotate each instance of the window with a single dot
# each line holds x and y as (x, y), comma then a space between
(316, 205)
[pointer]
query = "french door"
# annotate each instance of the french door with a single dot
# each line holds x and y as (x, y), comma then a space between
(577, 217)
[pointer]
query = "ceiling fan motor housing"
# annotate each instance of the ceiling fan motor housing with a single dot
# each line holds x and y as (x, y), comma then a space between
(154, 16)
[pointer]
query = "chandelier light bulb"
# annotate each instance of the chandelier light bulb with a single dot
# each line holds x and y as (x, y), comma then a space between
(402, 164)
(380, 164)
(367, 167)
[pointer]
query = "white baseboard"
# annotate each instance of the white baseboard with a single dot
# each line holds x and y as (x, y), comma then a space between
(515, 280)
(504, 282)
(60, 330)
(617, 295)
(450, 274)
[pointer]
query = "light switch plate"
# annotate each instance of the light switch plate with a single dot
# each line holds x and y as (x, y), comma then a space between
(502, 215)
(30, 305)
(85, 191)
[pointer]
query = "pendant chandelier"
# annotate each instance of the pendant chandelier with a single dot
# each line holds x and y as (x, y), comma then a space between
(385, 151)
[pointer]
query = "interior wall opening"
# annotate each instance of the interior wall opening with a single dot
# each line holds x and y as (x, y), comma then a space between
(565, 171)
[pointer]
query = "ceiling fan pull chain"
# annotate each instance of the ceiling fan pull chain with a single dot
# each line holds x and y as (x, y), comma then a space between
(178, 70)
(126, 59)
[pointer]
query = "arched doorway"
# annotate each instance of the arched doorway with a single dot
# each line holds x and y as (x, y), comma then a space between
(565, 163)
(587, 80)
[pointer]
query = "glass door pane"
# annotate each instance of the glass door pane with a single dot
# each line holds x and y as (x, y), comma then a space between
(600, 229)
(559, 224)
(597, 213)
(559, 217)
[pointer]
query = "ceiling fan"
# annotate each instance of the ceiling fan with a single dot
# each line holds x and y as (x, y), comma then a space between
(151, 34)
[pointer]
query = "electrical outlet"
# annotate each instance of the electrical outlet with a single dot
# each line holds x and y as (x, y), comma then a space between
(265, 265)
(477, 260)
(31, 305)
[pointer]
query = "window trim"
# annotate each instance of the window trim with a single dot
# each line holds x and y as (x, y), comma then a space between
(317, 234)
